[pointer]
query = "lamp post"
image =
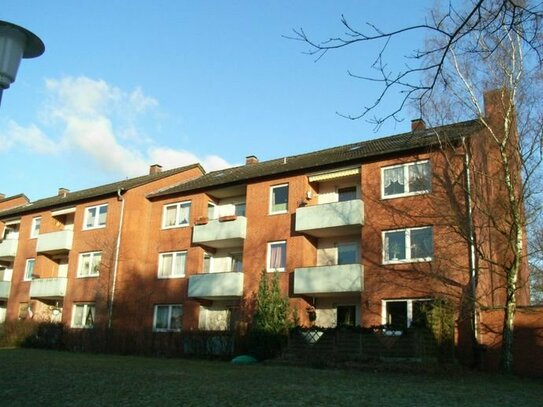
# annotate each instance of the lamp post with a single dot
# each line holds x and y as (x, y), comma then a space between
(15, 43)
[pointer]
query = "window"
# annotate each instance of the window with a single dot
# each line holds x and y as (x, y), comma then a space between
(279, 199)
(83, 315)
(211, 211)
(29, 269)
(35, 228)
(237, 262)
(277, 256)
(89, 264)
(168, 317)
(95, 217)
(11, 232)
(398, 315)
(176, 215)
(171, 265)
(208, 260)
(347, 253)
(408, 245)
(346, 194)
(239, 209)
(406, 179)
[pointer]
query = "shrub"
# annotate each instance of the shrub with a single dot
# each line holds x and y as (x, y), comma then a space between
(14, 333)
(47, 335)
(271, 321)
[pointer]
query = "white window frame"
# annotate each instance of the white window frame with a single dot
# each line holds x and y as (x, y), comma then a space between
(91, 262)
(174, 255)
(87, 306)
(96, 224)
(268, 256)
(272, 189)
(408, 258)
(410, 302)
(170, 308)
(27, 277)
(35, 227)
(177, 223)
(405, 167)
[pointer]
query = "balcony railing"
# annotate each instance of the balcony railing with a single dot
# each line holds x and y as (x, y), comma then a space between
(216, 285)
(55, 242)
(221, 233)
(327, 280)
(48, 287)
(8, 249)
(5, 287)
(331, 219)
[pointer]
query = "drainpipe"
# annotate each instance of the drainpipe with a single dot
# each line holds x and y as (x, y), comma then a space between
(471, 242)
(120, 198)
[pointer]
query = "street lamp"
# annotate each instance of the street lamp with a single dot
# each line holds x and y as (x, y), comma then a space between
(15, 43)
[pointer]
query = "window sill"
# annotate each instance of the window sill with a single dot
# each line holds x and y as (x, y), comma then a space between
(166, 330)
(94, 227)
(278, 213)
(282, 270)
(81, 327)
(407, 261)
(405, 195)
(171, 277)
(91, 276)
(175, 226)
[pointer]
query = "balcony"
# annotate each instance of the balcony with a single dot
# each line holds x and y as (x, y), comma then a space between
(55, 242)
(216, 286)
(5, 287)
(8, 249)
(326, 281)
(331, 219)
(221, 233)
(48, 287)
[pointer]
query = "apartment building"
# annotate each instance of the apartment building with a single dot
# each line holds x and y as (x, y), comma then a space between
(60, 255)
(361, 234)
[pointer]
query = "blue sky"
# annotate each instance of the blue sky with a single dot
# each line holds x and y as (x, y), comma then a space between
(123, 85)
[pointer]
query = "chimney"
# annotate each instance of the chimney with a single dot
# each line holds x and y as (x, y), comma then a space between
(251, 159)
(417, 124)
(63, 192)
(155, 169)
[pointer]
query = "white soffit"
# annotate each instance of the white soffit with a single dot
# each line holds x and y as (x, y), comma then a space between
(12, 222)
(325, 176)
(63, 211)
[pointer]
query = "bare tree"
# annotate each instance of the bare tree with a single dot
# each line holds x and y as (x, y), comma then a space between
(418, 79)
(488, 44)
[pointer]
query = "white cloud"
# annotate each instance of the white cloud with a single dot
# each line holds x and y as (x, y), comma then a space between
(103, 123)
(31, 138)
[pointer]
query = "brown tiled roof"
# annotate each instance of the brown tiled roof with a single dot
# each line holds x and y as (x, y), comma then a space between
(90, 193)
(346, 154)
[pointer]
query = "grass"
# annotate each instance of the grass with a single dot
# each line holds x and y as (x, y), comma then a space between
(35, 377)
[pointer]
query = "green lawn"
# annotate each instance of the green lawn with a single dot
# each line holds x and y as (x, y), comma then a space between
(50, 378)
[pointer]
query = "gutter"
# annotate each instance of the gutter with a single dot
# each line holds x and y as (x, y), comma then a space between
(120, 198)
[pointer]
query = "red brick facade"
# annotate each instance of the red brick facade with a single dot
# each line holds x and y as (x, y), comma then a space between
(190, 257)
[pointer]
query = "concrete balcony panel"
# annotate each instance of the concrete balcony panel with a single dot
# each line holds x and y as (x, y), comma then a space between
(325, 281)
(55, 242)
(215, 286)
(48, 287)
(5, 288)
(331, 219)
(8, 249)
(220, 234)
